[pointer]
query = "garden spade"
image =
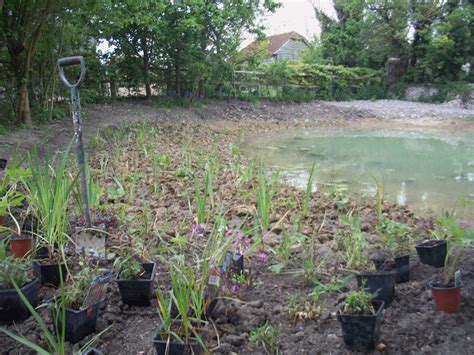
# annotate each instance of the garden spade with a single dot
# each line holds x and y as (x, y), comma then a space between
(85, 241)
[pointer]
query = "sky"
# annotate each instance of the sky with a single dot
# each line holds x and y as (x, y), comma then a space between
(295, 15)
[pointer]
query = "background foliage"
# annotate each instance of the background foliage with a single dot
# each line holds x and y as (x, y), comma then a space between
(189, 49)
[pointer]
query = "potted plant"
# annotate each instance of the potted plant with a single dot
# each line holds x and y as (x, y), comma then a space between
(447, 291)
(82, 302)
(15, 271)
(397, 245)
(134, 279)
(20, 244)
(361, 319)
(433, 251)
(355, 246)
(48, 191)
(180, 312)
(54, 341)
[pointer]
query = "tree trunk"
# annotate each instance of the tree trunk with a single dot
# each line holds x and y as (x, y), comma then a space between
(202, 90)
(24, 113)
(177, 76)
(113, 90)
(168, 82)
(146, 72)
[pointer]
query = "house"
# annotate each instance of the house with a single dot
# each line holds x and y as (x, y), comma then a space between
(287, 46)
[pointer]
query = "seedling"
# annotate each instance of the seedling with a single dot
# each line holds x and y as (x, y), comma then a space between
(13, 271)
(300, 309)
(267, 336)
(358, 303)
(129, 265)
(396, 237)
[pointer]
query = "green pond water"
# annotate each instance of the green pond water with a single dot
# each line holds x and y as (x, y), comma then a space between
(423, 170)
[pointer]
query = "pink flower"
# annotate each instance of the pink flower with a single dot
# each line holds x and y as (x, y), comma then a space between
(262, 256)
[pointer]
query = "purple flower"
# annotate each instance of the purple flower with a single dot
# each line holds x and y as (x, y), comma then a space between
(198, 230)
(241, 243)
(262, 256)
(234, 289)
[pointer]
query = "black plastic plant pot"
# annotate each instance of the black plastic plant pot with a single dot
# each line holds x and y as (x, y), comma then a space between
(167, 344)
(48, 274)
(93, 351)
(3, 163)
(174, 347)
(362, 332)
(81, 323)
(233, 262)
(12, 308)
(380, 283)
(402, 266)
(138, 292)
(432, 252)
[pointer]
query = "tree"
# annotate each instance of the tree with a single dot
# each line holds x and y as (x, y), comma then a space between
(22, 23)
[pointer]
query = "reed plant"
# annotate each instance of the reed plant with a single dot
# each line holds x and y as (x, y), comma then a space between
(354, 244)
(264, 199)
(48, 190)
(308, 191)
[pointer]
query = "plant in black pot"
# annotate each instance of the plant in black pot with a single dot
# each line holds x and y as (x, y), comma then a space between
(15, 271)
(396, 237)
(181, 311)
(433, 251)
(48, 192)
(355, 253)
(82, 299)
(135, 278)
(53, 341)
(361, 319)
(447, 291)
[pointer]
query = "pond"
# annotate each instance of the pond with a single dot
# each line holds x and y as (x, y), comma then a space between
(425, 170)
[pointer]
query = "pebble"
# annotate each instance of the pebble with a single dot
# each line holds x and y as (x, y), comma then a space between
(236, 340)
(325, 314)
(255, 304)
(332, 337)
(297, 336)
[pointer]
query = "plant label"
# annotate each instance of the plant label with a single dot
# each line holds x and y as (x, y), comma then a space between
(214, 280)
(457, 278)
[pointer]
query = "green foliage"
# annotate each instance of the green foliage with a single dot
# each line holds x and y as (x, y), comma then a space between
(396, 237)
(358, 303)
(12, 270)
(458, 239)
(308, 191)
(76, 292)
(354, 245)
(54, 340)
(266, 336)
(48, 191)
(432, 39)
(128, 264)
(263, 196)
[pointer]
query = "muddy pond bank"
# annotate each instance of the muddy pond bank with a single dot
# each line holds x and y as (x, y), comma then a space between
(159, 163)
